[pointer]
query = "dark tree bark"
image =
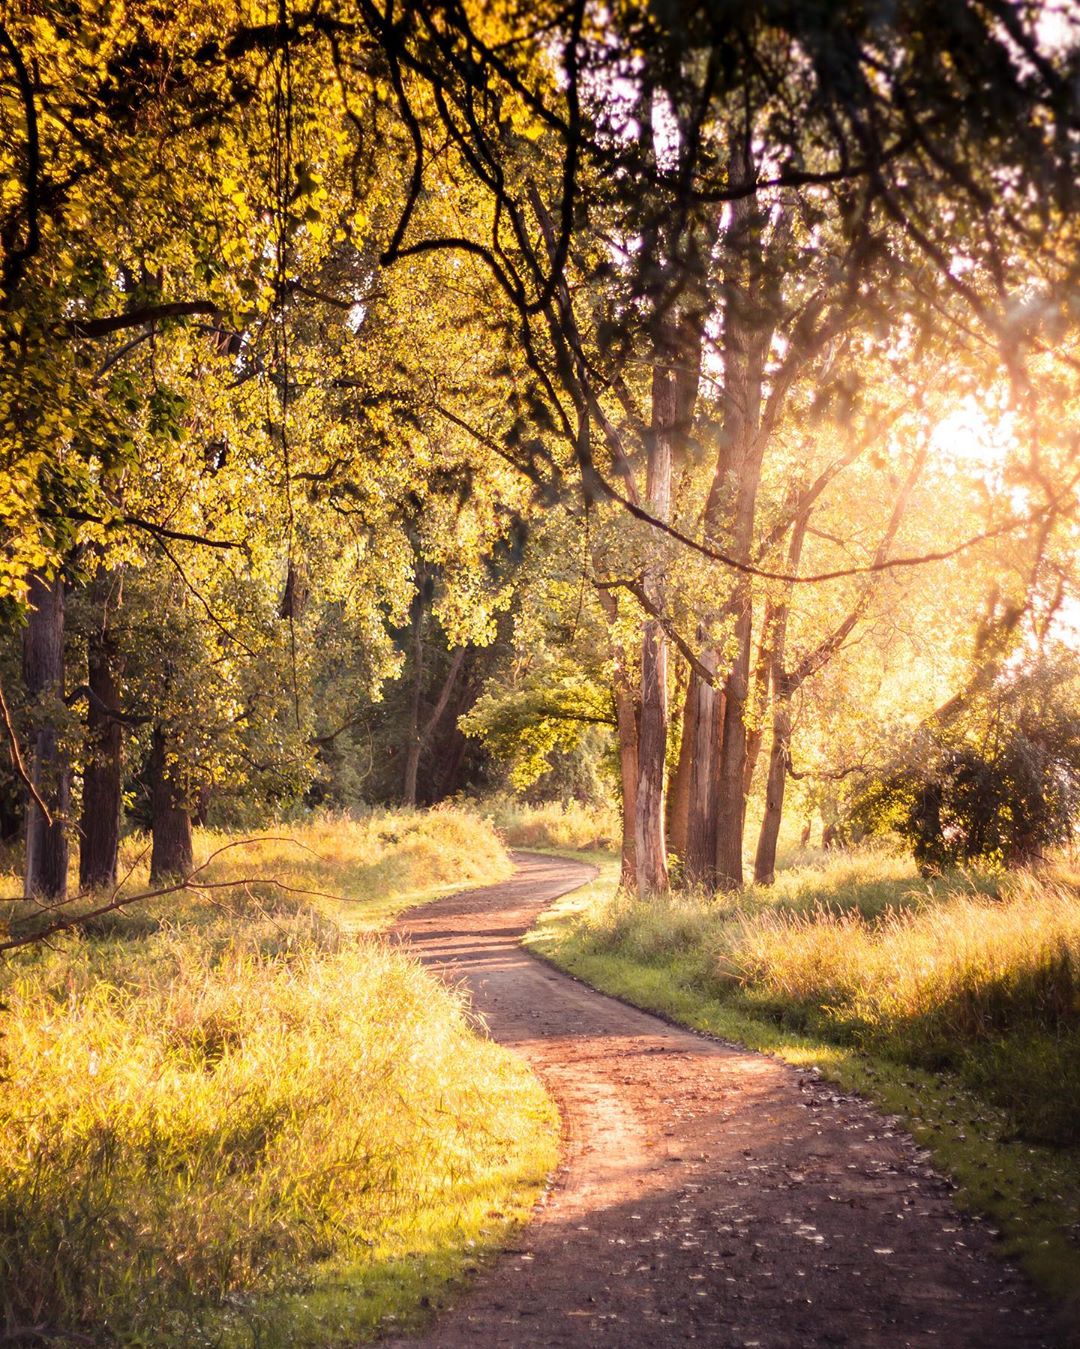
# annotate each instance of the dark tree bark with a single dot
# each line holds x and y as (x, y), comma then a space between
(99, 824)
(419, 736)
(12, 809)
(50, 772)
(170, 824)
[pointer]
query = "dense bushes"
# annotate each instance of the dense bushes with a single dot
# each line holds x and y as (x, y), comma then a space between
(1000, 784)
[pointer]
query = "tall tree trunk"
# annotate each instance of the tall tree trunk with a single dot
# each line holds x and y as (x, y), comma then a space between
(172, 853)
(627, 714)
(702, 729)
(747, 336)
(730, 801)
(650, 840)
(765, 859)
(99, 824)
(50, 772)
(421, 735)
(714, 842)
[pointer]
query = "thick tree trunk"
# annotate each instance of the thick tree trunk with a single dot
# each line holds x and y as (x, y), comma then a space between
(50, 772)
(714, 849)
(99, 824)
(650, 835)
(171, 854)
(765, 860)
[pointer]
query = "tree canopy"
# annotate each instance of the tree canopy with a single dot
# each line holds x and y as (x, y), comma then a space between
(396, 399)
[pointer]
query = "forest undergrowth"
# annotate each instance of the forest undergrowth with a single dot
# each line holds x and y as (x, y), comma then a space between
(953, 1002)
(241, 1123)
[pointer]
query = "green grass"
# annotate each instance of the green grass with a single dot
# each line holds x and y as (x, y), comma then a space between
(953, 1005)
(229, 1121)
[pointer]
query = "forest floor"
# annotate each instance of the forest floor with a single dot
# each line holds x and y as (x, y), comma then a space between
(705, 1193)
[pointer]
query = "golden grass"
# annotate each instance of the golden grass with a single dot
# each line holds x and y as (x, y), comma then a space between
(227, 1120)
(569, 826)
(967, 967)
(359, 869)
(977, 973)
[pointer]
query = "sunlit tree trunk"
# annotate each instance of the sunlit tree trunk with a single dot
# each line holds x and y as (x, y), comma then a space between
(702, 722)
(733, 502)
(730, 802)
(678, 812)
(650, 840)
(50, 772)
(714, 835)
(779, 758)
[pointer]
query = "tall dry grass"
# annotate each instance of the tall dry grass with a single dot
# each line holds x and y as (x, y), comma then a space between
(570, 826)
(976, 973)
(358, 868)
(214, 1104)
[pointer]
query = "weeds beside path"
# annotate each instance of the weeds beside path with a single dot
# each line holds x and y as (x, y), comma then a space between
(237, 1123)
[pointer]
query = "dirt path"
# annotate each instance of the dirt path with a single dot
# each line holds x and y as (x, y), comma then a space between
(706, 1194)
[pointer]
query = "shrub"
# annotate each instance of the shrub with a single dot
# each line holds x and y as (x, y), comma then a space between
(1001, 784)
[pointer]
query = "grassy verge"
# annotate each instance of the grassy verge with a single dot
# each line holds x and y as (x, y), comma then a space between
(554, 826)
(231, 1121)
(872, 977)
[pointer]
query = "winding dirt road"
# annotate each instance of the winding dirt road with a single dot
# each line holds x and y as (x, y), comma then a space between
(706, 1194)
